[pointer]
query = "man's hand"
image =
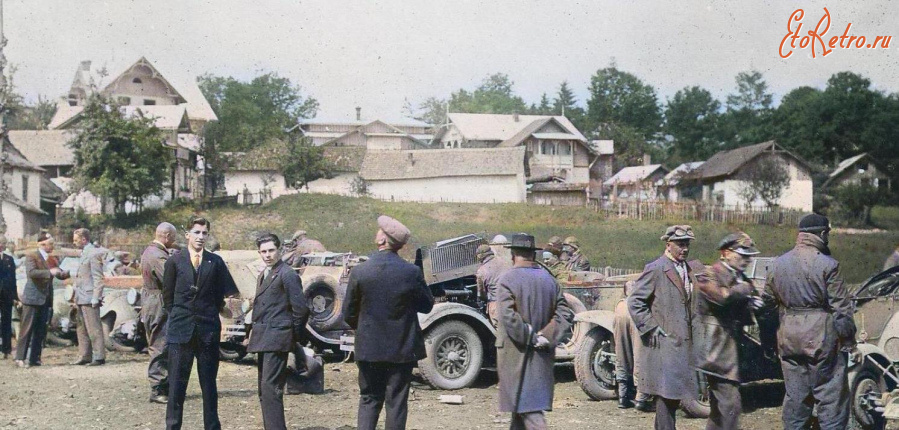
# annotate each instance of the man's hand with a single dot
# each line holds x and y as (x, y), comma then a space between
(654, 337)
(95, 302)
(756, 303)
(855, 356)
(54, 271)
(542, 343)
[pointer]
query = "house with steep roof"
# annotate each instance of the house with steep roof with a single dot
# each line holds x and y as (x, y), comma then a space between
(257, 171)
(725, 177)
(861, 169)
(472, 175)
(635, 183)
(672, 187)
(373, 133)
(20, 202)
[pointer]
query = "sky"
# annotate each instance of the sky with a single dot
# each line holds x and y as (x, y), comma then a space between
(380, 54)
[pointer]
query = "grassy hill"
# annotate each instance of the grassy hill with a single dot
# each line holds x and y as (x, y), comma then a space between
(348, 224)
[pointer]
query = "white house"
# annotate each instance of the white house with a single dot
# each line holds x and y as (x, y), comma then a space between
(257, 172)
(635, 183)
(21, 200)
(476, 175)
(369, 133)
(672, 188)
(724, 177)
(857, 170)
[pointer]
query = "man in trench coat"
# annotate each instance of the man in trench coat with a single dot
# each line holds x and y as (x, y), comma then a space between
(816, 328)
(723, 307)
(660, 306)
(533, 316)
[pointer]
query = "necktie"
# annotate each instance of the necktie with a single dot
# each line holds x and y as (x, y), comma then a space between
(686, 278)
(196, 260)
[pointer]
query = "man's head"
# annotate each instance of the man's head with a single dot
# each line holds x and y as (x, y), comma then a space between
(677, 241)
(165, 234)
(523, 248)
(392, 235)
(81, 237)
(816, 224)
(123, 256)
(483, 252)
(197, 233)
(45, 241)
(298, 236)
(554, 245)
(2, 243)
(269, 247)
(570, 245)
(737, 250)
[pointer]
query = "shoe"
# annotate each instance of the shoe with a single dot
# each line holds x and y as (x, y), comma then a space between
(36, 363)
(643, 406)
(97, 363)
(5, 355)
(81, 362)
(22, 364)
(625, 403)
(159, 398)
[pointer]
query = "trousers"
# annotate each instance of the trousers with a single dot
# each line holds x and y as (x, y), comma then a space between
(380, 383)
(32, 332)
(91, 343)
(5, 325)
(528, 421)
(726, 404)
(808, 380)
(666, 410)
(272, 375)
(153, 318)
(181, 360)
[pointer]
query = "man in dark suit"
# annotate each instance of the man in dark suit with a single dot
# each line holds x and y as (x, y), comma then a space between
(152, 315)
(383, 299)
(279, 321)
(195, 284)
(8, 296)
(37, 300)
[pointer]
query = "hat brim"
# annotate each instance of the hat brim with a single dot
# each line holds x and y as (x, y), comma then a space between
(676, 238)
(522, 247)
(747, 252)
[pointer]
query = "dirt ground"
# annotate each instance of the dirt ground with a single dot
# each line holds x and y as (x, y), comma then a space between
(114, 396)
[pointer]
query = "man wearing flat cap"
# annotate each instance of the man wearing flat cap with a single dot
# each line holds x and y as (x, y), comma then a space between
(533, 316)
(660, 306)
(384, 296)
(724, 306)
(816, 328)
(488, 274)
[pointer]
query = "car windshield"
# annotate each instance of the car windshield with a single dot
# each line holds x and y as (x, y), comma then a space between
(760, 267)
(880, 287)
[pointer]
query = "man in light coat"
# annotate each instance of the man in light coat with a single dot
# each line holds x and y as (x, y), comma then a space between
(88, 299)
(152, 314)
(533, 316)
(660, 306)
(487, 275)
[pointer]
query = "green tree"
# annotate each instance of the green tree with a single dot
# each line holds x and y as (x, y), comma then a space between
(119, 158)
(251, 113)
(304, 163)
(798, 124)
(565, 104)
(24, 116)
(622, 99)
(544, 108)
(766, 180)
(495, 94)
(748, 117)
(691, 119)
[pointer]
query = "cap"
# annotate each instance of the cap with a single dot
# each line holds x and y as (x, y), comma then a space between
(393, 228)
(523, 241)
(570, 240)
(483, 251)
(814, 223)
(297, 234)
(740, 243)
(43, 237)
(678, 232)
(499, 240)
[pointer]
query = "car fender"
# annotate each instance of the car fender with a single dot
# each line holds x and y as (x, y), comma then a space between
(445, 310)
(602, 318)
(123, 311)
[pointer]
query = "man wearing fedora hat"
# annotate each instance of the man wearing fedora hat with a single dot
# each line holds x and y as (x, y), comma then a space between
(816, 328)
(533, 315)
(37, 300)
(660, 306)
(384, 296)
(723, 307)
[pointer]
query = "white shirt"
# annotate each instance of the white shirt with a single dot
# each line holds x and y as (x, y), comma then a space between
(44, 254)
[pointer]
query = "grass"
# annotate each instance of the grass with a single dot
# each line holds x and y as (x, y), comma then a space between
(348, 224)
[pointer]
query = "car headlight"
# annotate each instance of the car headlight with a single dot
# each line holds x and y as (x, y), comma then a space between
(132, 296)
(69, 294)
(245, 306)
(65, 324)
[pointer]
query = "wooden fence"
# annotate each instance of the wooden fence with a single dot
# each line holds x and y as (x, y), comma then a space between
(651, 210)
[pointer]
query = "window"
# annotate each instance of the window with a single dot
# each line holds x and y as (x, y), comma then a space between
(149, 102)
(548, 148)
(564, 148)
(137, 81)
(125, 100)
(25, 188)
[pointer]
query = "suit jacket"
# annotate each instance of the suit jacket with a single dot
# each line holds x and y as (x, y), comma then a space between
(38, 290)
(89, 276)
(279, 310)
(7, 278)
(384, 296)
(194, 298)
(529, 301)
(660, 299)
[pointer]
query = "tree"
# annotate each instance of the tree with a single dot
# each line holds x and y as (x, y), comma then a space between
(854, 201)
(797, 124)
(691, 119)
(37, 116)
(251, 113)
(545, 108)
(119, 158)
(494, 95)
(621, 98)
(565, 104)
(748, 116)
(765, 179)
(304, 163)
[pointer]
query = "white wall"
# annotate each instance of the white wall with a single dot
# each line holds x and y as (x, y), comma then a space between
(339, 185)
(797, 195)
(15, 221)
(468, 189)
(255, 181)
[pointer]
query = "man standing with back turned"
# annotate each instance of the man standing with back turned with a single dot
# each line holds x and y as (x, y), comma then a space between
(152, 315)
(383, 299)
(195, 285)
(806, 287)
(88, 298)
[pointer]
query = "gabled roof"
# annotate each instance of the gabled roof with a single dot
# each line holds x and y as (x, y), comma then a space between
(673, 177)
(15, 158)
(847, 164)
(362, 130)
(44, 147)
(726, 163)
(479, 126)
(441, 163)
(634, 174)
(345, 158)
(165, 117)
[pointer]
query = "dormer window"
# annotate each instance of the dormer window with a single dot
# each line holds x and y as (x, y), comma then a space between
(136, 81)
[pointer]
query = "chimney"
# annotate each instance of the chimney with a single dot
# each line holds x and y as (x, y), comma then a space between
(86, 65)
(647, 159)
(515, 116)
(358, 113)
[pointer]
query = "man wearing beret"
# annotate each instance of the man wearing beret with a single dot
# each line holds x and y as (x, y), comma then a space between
(723, 307)
(37, 300)
(384, 296)
(660, 306)
(533, 316)
(488, 274)
(816, 328)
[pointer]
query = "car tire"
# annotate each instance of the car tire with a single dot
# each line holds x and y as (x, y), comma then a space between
(324, 297)
(571, 341)
(231, 352)
(112, 344)
(455, 355)
(867, 379)
(594, 372)
(699, 408)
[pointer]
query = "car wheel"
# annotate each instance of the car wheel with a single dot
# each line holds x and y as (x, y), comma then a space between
(455, 355)
(568, 344)
(867, 381)
(594, 366)
(229, 352)
(325, 296)
(700, 407)
(113, 344)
